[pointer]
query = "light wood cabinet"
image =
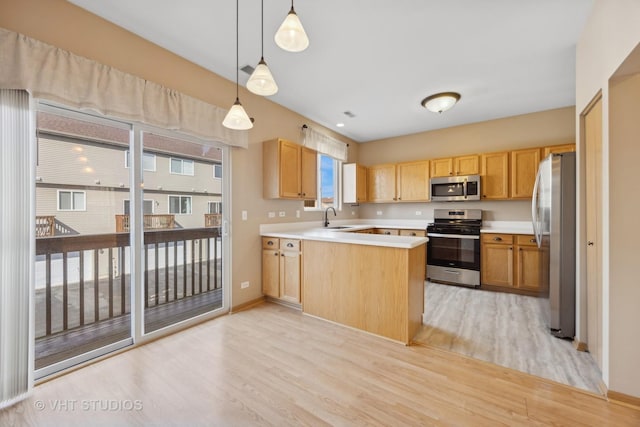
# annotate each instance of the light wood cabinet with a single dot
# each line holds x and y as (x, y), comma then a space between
(289, 171)
(524, 166)
(387, 231)
(564, 148)
(413, 181)
(514, 263)
(281, 268)
(494, 175)
(354, 183)
(381, 182)
(461, 165)
(414, 233)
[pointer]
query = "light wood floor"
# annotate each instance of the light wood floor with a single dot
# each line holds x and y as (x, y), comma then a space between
(271, 365)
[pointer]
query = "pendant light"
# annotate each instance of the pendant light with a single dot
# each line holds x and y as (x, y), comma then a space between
(237, 118)
(261, 81)
(291, 36)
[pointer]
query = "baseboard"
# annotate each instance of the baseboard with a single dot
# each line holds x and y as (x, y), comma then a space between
(247, 305)
(285, 303)
(626, 399)
(579, 345)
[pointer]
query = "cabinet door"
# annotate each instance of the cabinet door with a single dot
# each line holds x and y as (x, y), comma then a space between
(271, 272)
(524, 166)
(289, 156)
(495, 176)
(382, 183)
(442, 167)
(532, 267)
(467, 165)
(564, 148)
(308, 174)
(361, 183)
(413, 181)
(290, 275)
(497, 264)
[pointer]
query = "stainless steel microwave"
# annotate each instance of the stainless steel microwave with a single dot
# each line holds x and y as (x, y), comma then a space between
(455, 188)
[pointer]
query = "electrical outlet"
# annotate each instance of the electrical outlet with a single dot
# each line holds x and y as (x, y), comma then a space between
(378, 212)
(282, 214)
(244, 285)
(244, 215)
(297, 214)
(353, 212)
(418, 212)
(272, 214)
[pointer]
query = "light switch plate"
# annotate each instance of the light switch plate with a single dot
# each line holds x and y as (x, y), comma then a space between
(282, 214)
(378, 212)
(244, 215)
(272, 214)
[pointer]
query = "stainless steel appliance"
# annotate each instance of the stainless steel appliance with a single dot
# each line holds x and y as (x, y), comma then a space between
(455, 188)
(453, 249)
(553, 212)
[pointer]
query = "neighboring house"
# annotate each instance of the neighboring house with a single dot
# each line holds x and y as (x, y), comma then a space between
(83, 179)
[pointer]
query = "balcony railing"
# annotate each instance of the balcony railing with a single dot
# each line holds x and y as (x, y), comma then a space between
(83, 286)
(213, 220)
(151, 222)
(45, 226)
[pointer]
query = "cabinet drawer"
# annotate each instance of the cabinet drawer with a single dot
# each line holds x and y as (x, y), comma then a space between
(270, 243)
(507, 239)
(289, 245)
(417, 233)
(526, 240)
(387, 231)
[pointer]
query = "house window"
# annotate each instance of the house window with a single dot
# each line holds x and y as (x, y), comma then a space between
(148, 161)
(217, 171)
(180, 205)
(148, 207)
(71, 200)
(214, 207)
(181, 166)
(328, 184)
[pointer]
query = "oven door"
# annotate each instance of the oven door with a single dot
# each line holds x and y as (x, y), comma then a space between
(454, 250)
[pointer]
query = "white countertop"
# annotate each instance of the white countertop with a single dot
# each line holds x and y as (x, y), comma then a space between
(313, 231)
(508, 227)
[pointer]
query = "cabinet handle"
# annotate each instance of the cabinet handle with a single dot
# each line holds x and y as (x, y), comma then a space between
(510, 249)
(413, 234)
(498, 239)
(589, 243)
(532, 240)
(484, 195)
(270, 243)
(387, 232)
(399, 198)
(289, 245)
(299, 194)
(276, 254)
(520, 249)
(281, 254)
(304, 194)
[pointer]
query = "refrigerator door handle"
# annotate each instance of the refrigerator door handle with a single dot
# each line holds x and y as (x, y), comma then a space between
(534, 210)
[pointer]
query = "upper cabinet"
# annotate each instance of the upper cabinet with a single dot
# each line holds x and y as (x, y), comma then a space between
(461, 165)
(289, 170)
(381, 183)
(494, 175)
(558, 149)
(413, 181)
(524, 167)
(401, 182)
(354, 183)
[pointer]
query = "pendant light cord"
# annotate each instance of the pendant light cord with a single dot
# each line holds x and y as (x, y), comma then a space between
(262, 29)
(237, 48)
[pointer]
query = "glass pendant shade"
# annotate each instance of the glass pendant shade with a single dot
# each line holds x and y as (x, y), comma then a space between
(291, 35)
(261, 81)
(441, 101)
(237, 118)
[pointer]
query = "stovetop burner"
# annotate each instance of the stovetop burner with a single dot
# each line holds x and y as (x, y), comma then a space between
(456, 221)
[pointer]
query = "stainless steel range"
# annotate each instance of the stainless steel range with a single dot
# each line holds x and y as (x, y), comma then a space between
(453, 250)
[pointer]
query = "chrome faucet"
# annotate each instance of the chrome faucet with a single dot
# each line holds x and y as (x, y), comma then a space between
(326, 219)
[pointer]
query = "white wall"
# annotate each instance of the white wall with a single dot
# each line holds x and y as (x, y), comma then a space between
(610, 35)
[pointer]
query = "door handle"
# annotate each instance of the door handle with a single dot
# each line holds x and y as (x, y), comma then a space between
(589, 243)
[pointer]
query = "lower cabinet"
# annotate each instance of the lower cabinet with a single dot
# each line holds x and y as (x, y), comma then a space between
(513, 262)
(281, 268)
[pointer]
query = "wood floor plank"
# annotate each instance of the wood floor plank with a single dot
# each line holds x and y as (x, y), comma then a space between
(273, 366)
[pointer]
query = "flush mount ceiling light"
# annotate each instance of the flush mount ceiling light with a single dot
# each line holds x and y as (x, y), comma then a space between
(237, 118)
(440, 101)
(291, 35)
(261, 81)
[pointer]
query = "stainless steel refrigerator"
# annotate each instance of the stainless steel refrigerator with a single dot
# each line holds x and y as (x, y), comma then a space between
(553, 211)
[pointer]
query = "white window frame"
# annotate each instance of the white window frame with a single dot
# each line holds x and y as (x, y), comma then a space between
(217, 166)
(337, 185)
(218, 209)
(182, 162)
(153, 206)
(180, 196)
(146, 156)
(73, 209)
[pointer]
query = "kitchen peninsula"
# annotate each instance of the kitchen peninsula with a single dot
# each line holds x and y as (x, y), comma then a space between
(371, 282)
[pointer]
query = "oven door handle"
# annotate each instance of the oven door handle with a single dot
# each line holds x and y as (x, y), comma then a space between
(453, 236)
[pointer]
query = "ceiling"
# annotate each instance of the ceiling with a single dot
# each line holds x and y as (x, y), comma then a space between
(379, 58)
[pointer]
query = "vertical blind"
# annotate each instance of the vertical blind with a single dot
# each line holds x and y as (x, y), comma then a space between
(16, 245)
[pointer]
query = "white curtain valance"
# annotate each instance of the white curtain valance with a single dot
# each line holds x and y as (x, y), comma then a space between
(324, 143)
(57, 75)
